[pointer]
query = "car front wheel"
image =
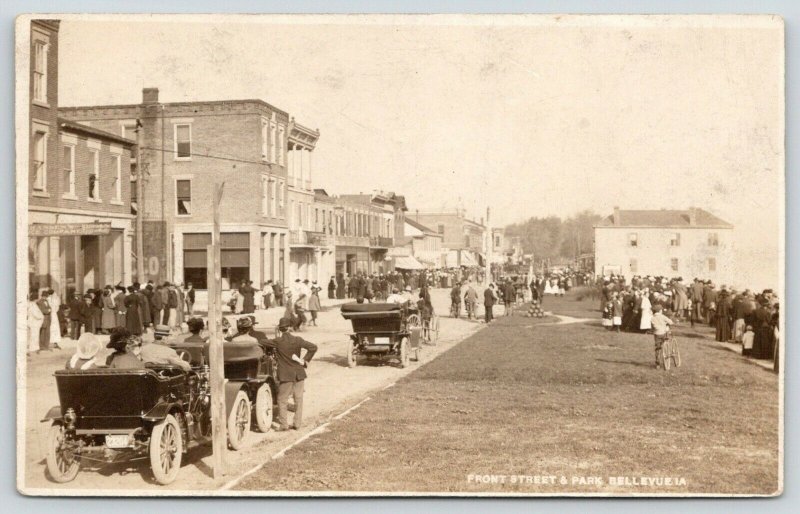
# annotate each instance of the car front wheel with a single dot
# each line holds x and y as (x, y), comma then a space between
(62, 464)
(166, 450)
(263, 408)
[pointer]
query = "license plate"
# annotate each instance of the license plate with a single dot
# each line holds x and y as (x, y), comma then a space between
(382, 340)
(118, 441)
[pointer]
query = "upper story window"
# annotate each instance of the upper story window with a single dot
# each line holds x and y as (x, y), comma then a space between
(94, 175)
(39, 161)
(712, 264)
(116, 161)
(68, 163)
(440, 228)
(675, 239)
(281, 195)
(273, 136)
(183, 141)
(281, 145)
(673, 264)
(634, 265)
(183, 195)
(633, 239)
(713, 239)
(40, 49)
(264, 139)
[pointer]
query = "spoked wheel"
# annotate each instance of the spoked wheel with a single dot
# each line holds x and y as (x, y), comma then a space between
(666, 358)
(238, 420)
(675, 353)
(352, 360)
(404, 353)
(62, 464)
(413, 321)
(263, 408)
(166, 450)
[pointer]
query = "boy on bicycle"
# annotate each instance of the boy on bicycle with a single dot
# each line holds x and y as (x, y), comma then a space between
(661, 325)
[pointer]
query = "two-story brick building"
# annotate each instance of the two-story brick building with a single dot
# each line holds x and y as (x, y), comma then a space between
(185, 149)
(688, 243)
(462, 237)
(79, 211)
(380, 217)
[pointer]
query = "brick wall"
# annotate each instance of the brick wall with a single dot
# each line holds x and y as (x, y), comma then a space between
(45, 30)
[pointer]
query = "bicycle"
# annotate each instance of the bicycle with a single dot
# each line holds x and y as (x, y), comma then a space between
(669, 353)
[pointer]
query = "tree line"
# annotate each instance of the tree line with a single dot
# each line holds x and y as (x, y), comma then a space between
(555, 239)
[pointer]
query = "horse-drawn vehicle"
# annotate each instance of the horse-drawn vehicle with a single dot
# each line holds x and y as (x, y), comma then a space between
(158, 413)
(382, 330)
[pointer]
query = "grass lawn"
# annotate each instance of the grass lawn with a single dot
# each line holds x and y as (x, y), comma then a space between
(531, 399)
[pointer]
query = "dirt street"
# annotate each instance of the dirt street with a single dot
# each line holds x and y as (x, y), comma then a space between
(331, 388)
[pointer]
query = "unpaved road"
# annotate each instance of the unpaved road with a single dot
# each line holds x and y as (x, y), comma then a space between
(331, 389)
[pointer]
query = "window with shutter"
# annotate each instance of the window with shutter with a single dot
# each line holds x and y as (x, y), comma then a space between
(40, 161)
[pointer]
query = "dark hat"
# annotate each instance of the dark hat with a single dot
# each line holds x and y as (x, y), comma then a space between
(284, 323)
(244, 322)
(119, 338)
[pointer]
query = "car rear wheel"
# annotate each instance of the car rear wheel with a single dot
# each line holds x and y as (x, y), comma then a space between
(263, 408)
(404, 353)
(238, 420)
(166, 450)
(62, 464)
(352, 360)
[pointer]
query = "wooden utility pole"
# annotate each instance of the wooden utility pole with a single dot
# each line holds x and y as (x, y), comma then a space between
(139, 206)
(217, 362)
(487, 248)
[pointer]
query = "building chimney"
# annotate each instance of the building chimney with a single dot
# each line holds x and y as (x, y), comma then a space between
(150, 95)
(692, 216)
(616, 216)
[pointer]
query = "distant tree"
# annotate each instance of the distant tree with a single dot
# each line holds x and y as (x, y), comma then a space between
(554, 239)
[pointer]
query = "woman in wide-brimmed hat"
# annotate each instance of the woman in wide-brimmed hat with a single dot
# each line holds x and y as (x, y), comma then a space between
(86, 352)
(125, 347)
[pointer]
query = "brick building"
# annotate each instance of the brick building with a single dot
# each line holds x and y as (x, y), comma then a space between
(380, 218)
(688, 243)
(186, 147)
(79, 210)
(424, 243)
(462, 238)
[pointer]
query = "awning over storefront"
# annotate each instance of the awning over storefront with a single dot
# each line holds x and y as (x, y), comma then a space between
(407, 262)
(467, 259)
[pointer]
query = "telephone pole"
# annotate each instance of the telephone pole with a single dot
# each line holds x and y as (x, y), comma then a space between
(488, 243)
(139, 203)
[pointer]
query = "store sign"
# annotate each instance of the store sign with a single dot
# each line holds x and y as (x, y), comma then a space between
(69, 229)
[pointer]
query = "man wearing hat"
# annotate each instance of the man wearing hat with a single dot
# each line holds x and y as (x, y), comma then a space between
(291, 372)
(156, 353)
(243, 327)
(126, 350)
(85, 353)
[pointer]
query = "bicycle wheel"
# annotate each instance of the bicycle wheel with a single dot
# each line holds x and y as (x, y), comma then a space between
(676, 354)
(666, 354)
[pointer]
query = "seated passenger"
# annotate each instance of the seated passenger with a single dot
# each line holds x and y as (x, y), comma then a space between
(396, 297)
(407, 295)
(196, 326)
(86, 353)
(156, 353)
(243, 326)
(126, 350)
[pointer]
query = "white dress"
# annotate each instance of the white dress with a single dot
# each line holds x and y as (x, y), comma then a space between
(35, 318)
(55, 326)
(647, 314)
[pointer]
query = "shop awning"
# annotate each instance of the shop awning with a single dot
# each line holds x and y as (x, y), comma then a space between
(407, 262)
(467, 260)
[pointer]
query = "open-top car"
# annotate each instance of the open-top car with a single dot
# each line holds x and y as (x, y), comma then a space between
(382, 330)
(158, 413)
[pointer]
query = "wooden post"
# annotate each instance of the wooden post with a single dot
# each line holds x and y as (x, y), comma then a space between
(140, 166)
(217, 366)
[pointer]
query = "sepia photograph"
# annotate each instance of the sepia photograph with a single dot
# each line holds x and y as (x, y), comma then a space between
(400, 255)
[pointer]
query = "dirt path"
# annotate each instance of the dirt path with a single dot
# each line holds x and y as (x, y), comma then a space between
(332, 388)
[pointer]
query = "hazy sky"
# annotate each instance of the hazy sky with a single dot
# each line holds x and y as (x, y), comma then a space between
(531, 115)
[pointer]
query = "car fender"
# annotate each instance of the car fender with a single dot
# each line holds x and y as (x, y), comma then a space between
(160, 411)
(231, 390)
(53, 414)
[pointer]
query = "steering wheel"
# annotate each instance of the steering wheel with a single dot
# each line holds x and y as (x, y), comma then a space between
(185, 356)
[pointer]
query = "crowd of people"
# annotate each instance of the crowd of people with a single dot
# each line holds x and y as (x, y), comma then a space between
(742, 317)
(100, 311)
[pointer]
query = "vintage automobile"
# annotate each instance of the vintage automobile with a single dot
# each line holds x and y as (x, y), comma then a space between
(157, 413)
(382, 330)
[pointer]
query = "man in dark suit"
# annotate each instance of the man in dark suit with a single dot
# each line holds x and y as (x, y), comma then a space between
(291, 372)
(488, 302)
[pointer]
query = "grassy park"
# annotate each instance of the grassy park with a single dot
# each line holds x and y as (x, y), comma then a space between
(530, 402)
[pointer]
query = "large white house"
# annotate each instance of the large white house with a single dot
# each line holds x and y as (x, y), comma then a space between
(687, 243)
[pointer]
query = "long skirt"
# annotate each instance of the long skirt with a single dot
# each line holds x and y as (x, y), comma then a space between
(723, 329)
(44, 334)
(763, 344)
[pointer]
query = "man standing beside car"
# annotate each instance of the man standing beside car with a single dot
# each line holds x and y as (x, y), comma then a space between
(291, 372)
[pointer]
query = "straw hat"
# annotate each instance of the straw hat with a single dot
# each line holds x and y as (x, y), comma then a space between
(88, 346)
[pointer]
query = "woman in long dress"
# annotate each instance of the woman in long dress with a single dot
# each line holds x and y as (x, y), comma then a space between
(109, 318)
(240, 300)
(35, 319)
(132, 321)
(724, 315)
(647, 311)
(119, 307)
(55, 323)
